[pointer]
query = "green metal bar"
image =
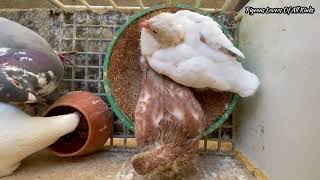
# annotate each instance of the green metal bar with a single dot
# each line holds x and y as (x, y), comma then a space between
(198, 3)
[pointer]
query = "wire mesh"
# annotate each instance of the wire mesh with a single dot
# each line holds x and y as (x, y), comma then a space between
(89, 35)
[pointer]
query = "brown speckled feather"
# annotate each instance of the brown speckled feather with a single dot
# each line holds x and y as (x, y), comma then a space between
(169, 121)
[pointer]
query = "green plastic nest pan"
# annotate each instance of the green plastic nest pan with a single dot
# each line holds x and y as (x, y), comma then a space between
(122, 76)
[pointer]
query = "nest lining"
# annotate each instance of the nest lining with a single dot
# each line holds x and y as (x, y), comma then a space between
(125, 75)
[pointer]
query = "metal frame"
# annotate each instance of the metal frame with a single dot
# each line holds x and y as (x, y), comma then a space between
(84, 5)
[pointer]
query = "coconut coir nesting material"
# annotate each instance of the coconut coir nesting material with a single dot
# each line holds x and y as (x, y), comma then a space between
(125, 75)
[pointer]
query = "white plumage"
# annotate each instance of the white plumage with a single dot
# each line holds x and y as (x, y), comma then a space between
(21, 135)
(199, 27)
(185, 66)
(201, 59)
(147, 43)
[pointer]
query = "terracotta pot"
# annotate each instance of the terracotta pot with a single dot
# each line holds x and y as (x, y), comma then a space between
(94, 127)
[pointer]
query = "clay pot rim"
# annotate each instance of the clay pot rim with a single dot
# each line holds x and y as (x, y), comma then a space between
(80, 110)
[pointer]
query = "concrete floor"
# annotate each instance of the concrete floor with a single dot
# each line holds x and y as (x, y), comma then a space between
(110, 165)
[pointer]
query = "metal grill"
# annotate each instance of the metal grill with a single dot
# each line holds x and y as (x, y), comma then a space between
(89, 34)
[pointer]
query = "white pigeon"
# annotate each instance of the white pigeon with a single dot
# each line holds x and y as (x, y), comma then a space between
(21, 135)
(150, 42)
(185, 66)
(191, 57)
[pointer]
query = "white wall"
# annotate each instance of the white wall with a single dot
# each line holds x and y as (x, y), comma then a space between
(279, 128)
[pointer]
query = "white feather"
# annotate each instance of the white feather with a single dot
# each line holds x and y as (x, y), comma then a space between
(189, 68)
(199, 25)
(148, 44)
(21, 135)
(199, 64)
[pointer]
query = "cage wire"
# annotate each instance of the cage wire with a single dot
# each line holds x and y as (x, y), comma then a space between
(88, 33)
(90, 39)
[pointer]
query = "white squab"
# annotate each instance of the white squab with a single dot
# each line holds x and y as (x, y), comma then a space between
(21, 135)
(192, 50)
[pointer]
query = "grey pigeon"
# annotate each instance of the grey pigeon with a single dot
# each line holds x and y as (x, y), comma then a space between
(29, 67)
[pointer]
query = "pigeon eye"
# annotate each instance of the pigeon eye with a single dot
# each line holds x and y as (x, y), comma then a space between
(155, 32)
(16, 83)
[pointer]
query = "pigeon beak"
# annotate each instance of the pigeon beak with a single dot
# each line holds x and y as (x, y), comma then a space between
(31, 98)
(145, 24)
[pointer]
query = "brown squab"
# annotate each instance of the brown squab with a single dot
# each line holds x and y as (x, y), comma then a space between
(168, 124)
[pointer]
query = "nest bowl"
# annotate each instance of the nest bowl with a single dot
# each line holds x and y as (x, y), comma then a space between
(122, 74)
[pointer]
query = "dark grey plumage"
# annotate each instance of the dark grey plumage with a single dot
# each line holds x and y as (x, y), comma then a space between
(29, 67)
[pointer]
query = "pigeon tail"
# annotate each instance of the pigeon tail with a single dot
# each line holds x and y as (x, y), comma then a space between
(149, 161)
(171, 148)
